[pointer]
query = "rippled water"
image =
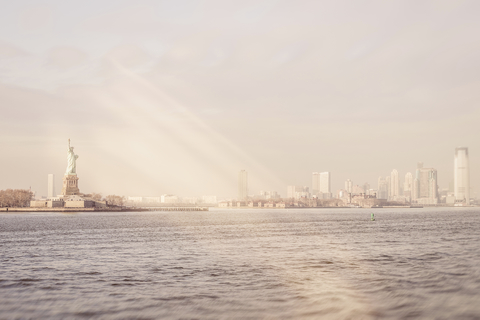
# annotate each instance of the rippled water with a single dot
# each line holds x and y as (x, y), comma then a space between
(242, 264)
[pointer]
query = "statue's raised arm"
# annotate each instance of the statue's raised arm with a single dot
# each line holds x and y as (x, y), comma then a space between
(71, 161)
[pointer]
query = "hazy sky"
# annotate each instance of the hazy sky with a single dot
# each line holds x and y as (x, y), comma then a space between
(178, 96)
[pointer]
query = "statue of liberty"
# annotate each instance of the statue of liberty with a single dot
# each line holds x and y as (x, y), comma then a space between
(71, 161)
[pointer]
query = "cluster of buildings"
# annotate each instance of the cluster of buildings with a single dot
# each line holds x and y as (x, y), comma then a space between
(421, 188)
(169, 199)
(418, 188)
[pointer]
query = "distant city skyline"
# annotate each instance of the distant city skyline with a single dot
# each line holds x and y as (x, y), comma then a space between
(422, 189)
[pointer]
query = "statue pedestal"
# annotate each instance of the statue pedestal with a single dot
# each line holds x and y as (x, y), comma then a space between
(70, 185)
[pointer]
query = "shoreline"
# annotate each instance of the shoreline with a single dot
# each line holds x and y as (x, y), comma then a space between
(29, 209)
(185, 209)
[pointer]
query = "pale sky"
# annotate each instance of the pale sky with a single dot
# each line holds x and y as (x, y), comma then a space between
(178, 96)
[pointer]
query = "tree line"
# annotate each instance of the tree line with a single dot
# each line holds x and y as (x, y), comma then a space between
(15, 198)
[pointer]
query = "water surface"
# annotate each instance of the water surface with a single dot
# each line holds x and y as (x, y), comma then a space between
(242, 264)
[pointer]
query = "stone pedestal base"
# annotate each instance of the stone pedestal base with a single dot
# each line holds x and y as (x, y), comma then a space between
(70, 185)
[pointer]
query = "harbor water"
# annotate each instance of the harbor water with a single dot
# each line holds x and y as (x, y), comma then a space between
(242, 264)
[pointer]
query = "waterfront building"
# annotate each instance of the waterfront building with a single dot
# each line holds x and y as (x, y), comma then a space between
(298, 192)
(169, 198)
(416, 189)
(433, 187)
(315, 183)
(422, 176)
(450, 199)
(267, 195)
(366, 186)
(394, 185)
(461, 175)
(271, 195)
(209, 199)
(190, 200)
(51, 186)
(135, 199)
(242, 185)
(349, 186)
(152, 199)
(358, 189)
(326, 195)
(325, 183)
(382, 189)
(342, 193)
(371, 192)
(143, 200)
(408, 186)
(425, 185)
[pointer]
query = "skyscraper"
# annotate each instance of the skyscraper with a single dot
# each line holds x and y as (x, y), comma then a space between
(325, 182)
(242, 185)
(422, 175)
(394, 192)
(433, 187)
(382, 188)
(408, 185)
(425, 185)
(461, 175)
(315, 183)
(51, 186)
(416, 189)
(349, 186)
(321, 184)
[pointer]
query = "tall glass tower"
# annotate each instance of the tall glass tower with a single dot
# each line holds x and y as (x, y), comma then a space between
(408, 185)
(349, 186)
(325, 182)
(394, 185)
(461, 175)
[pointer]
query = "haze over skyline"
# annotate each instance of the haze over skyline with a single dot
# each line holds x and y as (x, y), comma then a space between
(178, 96)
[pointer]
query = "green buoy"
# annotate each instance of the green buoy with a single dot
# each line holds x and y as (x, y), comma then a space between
(372, 217)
